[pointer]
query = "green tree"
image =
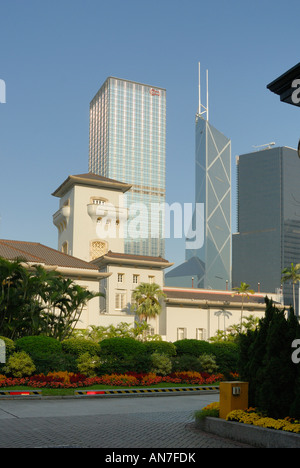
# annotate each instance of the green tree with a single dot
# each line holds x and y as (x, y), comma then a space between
(19, 307)
(35, 301)
(63, 304)
(232, 333)
(244, 291)
(291, 274)
(97, 333)
(265, 362)
(146, 299)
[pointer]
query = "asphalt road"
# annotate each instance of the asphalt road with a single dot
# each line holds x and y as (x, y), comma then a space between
(113, 422)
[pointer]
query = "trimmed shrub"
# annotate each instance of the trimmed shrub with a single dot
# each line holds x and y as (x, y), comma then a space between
(161, 347)
(78, 346)
(58, 362)
(46, 353)
(186, 363)
(120, 355)
(19, 365)
(193, 347)
(227, 356)
(121, 347)
(208, 363)
(88, 365)
(34, 345)
(161, 364)
(9, 346)
(140, 363)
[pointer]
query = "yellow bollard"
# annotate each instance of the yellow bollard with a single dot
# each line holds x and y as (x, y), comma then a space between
(233, 395)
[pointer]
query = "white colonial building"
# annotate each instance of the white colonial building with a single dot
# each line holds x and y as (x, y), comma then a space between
(91, 220)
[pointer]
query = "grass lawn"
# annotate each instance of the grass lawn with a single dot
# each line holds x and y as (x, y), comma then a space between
(70, 391)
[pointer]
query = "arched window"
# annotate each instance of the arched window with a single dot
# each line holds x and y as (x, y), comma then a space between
(64, 247)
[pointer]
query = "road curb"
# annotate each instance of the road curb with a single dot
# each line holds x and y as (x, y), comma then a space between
(37, 394)
(20, 392)
(255, 436)
(143, 391)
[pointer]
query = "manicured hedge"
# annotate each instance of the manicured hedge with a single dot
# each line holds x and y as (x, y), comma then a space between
(121, 347)
(47, 354)
(161, 347)
(77, 346)
(38, 345)
(186, 363)
(227, 355)
(192, 346)
(123, 354)
(54, 362)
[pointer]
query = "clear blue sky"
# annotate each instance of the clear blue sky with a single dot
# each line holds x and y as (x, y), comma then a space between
(54, 56)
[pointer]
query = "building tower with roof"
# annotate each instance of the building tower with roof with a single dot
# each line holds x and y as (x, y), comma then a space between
(91, 215)
(128, 143)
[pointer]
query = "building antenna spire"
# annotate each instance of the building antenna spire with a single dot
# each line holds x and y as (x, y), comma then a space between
(201, 106)
(199, 87)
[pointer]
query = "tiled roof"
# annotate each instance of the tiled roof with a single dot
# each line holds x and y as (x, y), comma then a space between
(134, 257)
(39, 253)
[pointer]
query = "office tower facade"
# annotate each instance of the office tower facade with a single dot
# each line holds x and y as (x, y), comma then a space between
(209, 265)
(128, 143)
(268, 237)
(213, 190)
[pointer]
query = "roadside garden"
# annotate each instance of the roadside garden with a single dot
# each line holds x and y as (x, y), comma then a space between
(120, 361)
(39, 316)
(265, 361)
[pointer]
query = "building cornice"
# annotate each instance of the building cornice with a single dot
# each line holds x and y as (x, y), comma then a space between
(207, 304)
(132, 260)
(83, 273)
(89, 180)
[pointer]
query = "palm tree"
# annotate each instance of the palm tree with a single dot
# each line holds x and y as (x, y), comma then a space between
(12, 298)
(35, 301)
(64, 304)
(243, 290)
(146, 298)
(292, 274)
(226, 314)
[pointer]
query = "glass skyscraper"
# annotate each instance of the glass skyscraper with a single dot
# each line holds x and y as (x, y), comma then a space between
(268, 237)
(213, 189)
(209, 266)
(128, 143)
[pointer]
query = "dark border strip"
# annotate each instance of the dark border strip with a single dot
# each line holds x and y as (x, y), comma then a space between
(21, 392)
(143, 390)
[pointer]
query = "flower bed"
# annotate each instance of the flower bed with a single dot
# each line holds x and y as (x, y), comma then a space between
(130, 379)
(250, 416)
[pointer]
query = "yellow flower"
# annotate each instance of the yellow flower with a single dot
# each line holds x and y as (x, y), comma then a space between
(214, 405)
(253, 418)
